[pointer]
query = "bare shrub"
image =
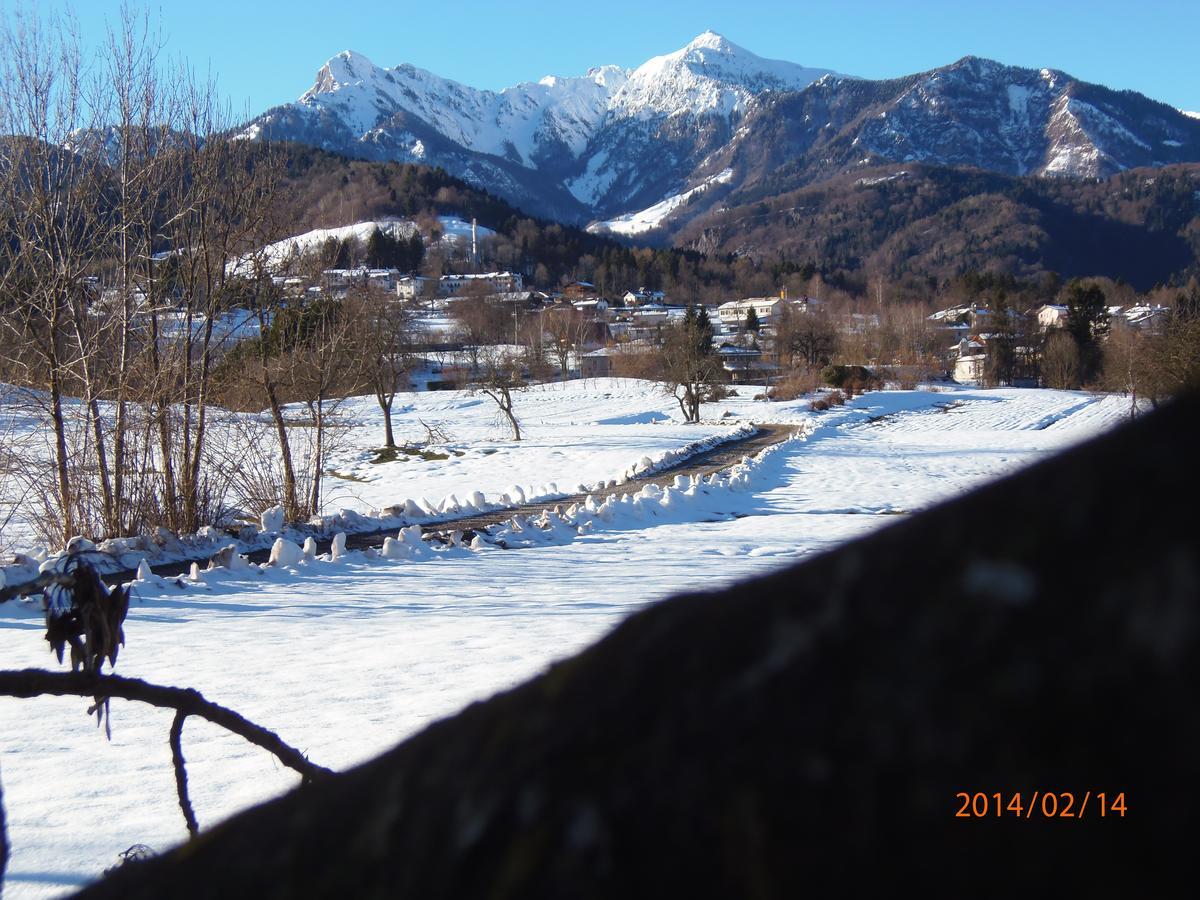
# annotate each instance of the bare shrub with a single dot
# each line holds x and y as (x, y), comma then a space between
(798, 384)
(1060, 361)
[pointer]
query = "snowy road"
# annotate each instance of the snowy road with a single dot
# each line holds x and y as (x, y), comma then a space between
(346, 659)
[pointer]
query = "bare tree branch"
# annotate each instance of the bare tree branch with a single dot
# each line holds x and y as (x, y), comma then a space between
(36, 585)
(181, 784)
(28, 683)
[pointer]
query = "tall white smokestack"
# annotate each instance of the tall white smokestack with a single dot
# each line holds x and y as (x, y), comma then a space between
(474, 245)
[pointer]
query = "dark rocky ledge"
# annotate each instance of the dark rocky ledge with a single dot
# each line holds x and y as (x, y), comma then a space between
(806, 733)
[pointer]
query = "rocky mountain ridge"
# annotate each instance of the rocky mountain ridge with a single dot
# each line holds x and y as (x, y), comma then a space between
(685, 131)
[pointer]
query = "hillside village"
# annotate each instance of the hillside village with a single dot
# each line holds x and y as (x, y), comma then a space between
(757, 339)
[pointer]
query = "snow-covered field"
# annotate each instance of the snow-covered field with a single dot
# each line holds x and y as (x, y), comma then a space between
(577, 433)
(581, 432)
(346, 658)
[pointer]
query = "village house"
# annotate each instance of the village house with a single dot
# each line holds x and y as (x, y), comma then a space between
(533, 301)
(1147, 318)
(580, 290)
(648, 322)
(339, 280)
(642, 297)
(744, 363)
(1050, 315)
(970, 360)
(596, 307)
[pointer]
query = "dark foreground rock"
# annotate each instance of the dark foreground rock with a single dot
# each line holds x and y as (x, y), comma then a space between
(807, 733)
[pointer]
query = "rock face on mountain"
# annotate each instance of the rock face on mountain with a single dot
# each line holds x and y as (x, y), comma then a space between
(614, 143)
(999, 691)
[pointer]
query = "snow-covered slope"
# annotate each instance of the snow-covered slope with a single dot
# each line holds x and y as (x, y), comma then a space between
(279, 255)
(652, 217)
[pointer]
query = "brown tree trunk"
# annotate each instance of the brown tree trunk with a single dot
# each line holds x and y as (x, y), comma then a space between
(291, 504)
(61, 458)
(388, 436)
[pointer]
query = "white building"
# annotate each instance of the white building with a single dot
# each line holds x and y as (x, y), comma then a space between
(341, 279)
(642, 297)
(734, 312)
(493, 282)
(1051, 315)
(412, 287)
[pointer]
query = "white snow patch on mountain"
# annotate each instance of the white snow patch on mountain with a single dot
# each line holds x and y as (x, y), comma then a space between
(653, 216)
(1018, 103)
(595, 180)
(1193, 115)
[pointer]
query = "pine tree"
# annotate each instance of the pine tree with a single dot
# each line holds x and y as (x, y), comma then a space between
(1087, 322)
(753, 326)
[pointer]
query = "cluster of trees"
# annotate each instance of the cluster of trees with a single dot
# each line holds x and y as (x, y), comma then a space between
(131, 230)
(1092, 349)
(104, 178)
(382, 249)
(1159, 362)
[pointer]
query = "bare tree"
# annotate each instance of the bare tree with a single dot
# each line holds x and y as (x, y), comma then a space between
(52, 182)
(384, 344)
(500, 374)
(317, 366)
(567, 329)
(1060, 360)
(479, 321)
(689, 366)
(805, 338)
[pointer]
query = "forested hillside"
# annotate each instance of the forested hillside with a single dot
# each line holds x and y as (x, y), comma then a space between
(923, 226)
(922, 229)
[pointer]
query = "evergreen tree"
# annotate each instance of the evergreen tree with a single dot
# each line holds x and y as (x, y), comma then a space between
(1001, 344)
(753, 326)
(1087, 322)
(416, 253)
(704, 324)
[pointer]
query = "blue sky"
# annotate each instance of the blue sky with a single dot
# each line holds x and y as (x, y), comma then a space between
(266, 52)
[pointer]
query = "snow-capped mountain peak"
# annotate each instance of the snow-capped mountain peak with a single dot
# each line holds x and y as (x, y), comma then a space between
(709, 75)
(345, 69)
(710, 40)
